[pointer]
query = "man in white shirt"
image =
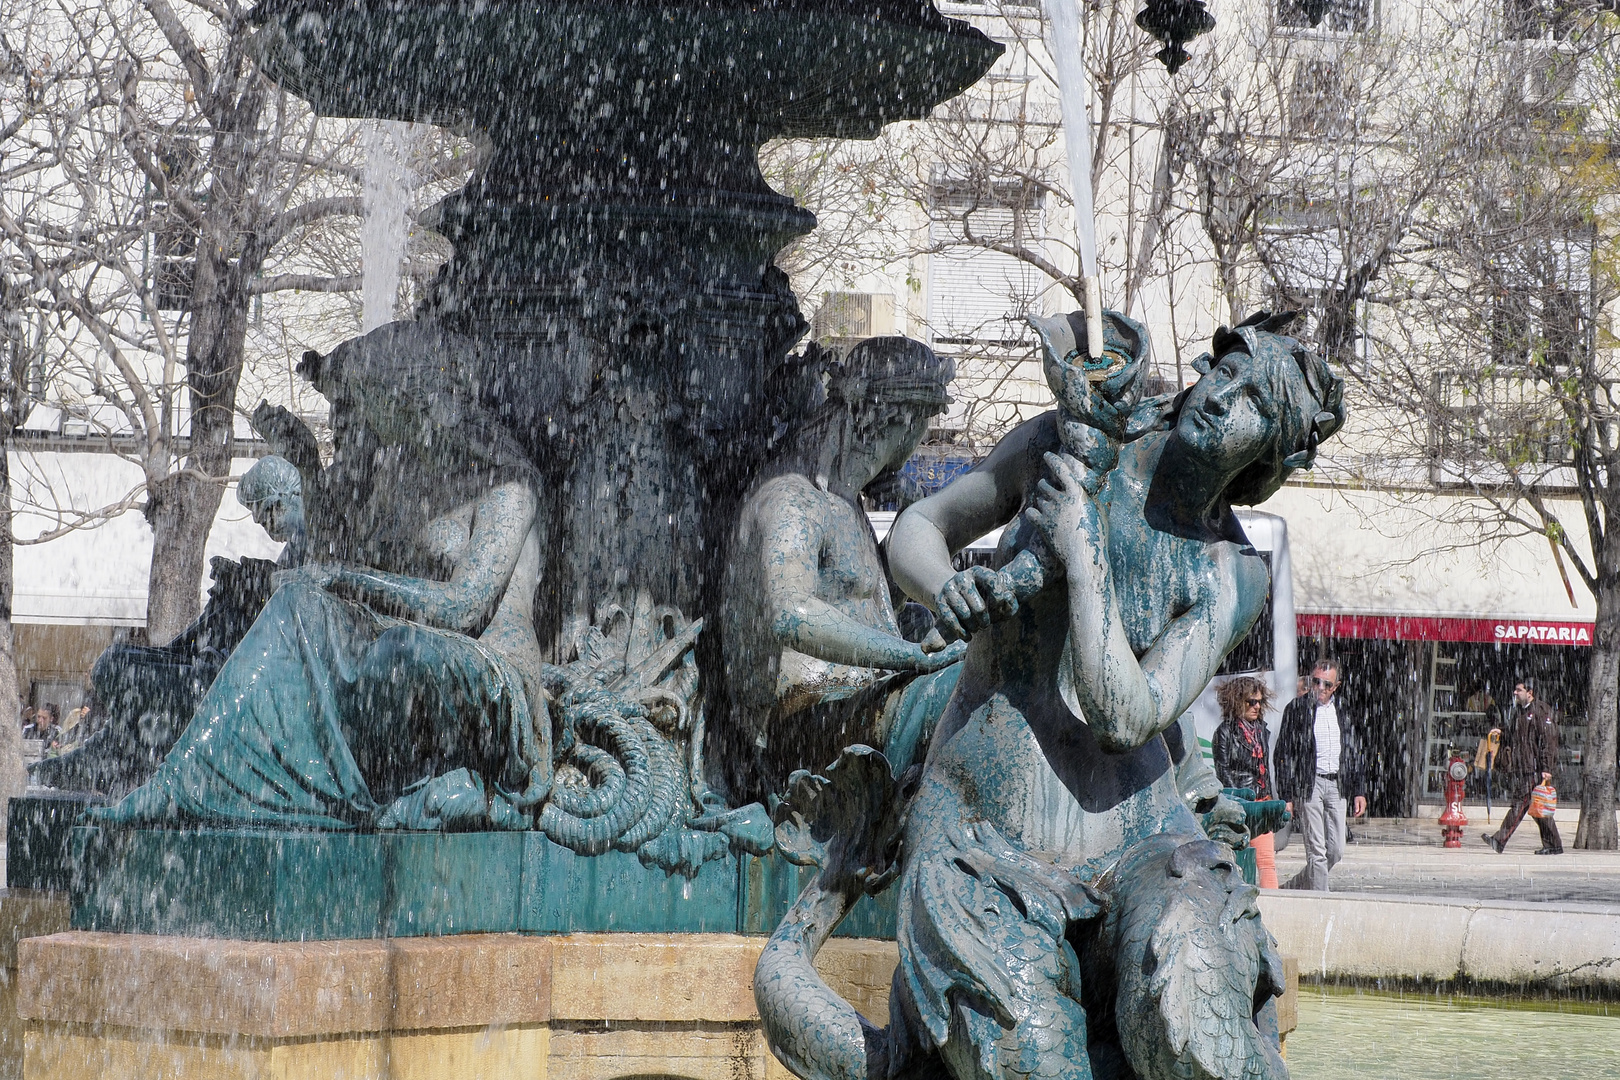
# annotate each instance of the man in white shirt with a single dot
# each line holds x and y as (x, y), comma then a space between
(1318, 766)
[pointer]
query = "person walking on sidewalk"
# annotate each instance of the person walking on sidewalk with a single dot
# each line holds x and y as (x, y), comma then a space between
(1241, 750)
(1319, 764)
(1528, 756)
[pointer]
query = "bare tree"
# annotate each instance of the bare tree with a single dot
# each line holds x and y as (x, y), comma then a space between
(17, 349)
(1521, 409)
(1435, 194)
(984, 183)
(158, 189)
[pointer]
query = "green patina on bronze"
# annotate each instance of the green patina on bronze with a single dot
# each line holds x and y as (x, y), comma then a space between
(487, 699)
(257, 885)
(1070, 904)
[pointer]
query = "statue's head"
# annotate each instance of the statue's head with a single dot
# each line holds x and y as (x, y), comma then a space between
(418, 389)
(413, 437)
(272, 491)
(324, 372)
(887, 390)
(1263, 405)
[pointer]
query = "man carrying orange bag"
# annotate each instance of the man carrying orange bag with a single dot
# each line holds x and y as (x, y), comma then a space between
(1528, 756)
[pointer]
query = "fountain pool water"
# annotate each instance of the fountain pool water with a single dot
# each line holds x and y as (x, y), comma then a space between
(1357, 1034)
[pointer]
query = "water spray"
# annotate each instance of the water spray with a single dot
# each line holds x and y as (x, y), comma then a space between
(1074, 93)
(385, 227)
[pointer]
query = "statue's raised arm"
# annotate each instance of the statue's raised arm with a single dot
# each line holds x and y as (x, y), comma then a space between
(1102, 408)
(927, 534)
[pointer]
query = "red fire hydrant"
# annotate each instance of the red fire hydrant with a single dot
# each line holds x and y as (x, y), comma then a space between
(1452, 822)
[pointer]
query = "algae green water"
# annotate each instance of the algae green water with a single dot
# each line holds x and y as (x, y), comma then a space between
(1370, 1036)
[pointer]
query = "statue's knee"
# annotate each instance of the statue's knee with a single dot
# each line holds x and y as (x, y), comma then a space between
(398, 652)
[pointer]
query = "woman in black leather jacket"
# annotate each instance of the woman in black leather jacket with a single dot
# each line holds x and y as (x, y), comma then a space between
(1242, 760)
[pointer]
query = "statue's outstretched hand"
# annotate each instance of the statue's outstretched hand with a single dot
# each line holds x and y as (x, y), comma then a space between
(1226, 822)
(1063, 508)
(286, 435)
(973, 599)
(937, 653)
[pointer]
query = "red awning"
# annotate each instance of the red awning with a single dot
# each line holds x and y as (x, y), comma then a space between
(1420, 628)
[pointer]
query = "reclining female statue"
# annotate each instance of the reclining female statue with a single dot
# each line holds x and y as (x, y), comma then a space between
(149, 692)
(394, 679)
(1063, 912)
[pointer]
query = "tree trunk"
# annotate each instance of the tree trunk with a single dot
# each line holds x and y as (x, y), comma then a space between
(174, 582)
(1597, 828)
(182, 509)
(13, 775)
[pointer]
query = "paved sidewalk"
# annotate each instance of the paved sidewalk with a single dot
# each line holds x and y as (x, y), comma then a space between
(1404, 857)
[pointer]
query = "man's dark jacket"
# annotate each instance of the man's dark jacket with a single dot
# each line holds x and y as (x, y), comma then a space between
(1295, 760)
(1529, 745)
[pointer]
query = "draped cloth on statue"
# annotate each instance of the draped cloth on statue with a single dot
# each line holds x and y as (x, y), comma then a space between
(331, 716)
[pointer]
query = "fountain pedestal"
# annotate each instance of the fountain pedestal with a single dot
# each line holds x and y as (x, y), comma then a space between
(632, 341)
(278, 885)
(477, 1007)
(614, 248)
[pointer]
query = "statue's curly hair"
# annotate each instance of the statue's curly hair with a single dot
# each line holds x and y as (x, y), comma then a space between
(882, 376)
(271, 477)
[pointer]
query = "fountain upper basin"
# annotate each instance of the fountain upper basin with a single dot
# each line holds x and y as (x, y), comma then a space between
(808, 68)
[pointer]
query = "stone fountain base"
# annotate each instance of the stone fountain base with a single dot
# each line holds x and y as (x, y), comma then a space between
(474, 1006)
(76, 1004)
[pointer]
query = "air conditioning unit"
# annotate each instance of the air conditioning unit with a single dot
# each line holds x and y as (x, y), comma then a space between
(846, 318)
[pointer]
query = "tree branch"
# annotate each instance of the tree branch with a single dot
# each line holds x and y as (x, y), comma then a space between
(306, 283)
(307, 214)
(180, 40)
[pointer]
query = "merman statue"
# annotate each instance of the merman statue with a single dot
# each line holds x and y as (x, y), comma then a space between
(1063, 910)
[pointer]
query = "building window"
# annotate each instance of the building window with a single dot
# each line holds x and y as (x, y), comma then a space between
(1563, 325)
(1301, 236)
(1525, 20)
(1510, 327)
(1546, 327)
(174, 265)
(1319, 100)
(1008, 9)
(1340, 16)
(1513, 417)
(845, 319)
(978, 290)
(1556, 92)
(174, 240)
